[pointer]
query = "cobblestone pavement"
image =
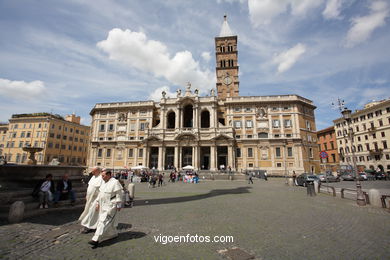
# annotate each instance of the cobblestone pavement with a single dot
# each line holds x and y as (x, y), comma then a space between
(267, 220)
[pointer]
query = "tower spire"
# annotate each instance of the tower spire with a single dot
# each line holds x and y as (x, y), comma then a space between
(225, 30)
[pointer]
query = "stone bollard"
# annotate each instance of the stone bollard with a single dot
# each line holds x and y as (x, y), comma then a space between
(310, 189)
(375, 197)
(316, 186)
(16, 212)
(290, 182)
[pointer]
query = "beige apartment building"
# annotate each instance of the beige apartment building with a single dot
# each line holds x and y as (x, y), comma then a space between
(217, 131)
(371, 137)
(3, 137)
(64, 139)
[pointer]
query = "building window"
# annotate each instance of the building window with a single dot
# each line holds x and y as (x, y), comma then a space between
(20, 144)
(108, 153)
(250, 152)
(111, 127)
(131, 152)
(100, 153)
(287, 123)
(311, 152)
(142, 126)
(237, 109)
(384, 143)
(278, 164)
(289, 151)
(57, 146)
(275, 123)
(248, 109)
(238, 136)
(263, 135)
(237, 124)
(249, 136)
(58, 136)
(101, 128)
(249, 123)
(308, 125)
(238, 152)
(275, 108)
(141, 152)
(383, 134)
(380, 122)
(277, 152)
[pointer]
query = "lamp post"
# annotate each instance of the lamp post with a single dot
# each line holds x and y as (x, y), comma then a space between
(347, 117)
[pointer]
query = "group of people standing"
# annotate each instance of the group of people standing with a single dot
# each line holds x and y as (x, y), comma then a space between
(103, 201)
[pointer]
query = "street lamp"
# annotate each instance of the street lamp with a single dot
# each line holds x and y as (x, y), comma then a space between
(347, 117)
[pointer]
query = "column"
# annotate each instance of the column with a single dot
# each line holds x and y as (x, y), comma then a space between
(197, 151)
(180, 158)
(160, 159)
(257, 157)
(135, 156)
(230, 157)
(144, 162)
(176, 158)
(212, 158)
(193, 156)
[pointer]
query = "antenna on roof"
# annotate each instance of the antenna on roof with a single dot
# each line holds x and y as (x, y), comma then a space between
(340, 104)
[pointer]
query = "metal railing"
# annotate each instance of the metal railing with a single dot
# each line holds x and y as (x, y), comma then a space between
(327, 186)
(364, 193)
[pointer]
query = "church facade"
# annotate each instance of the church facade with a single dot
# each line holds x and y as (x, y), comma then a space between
(220, 130)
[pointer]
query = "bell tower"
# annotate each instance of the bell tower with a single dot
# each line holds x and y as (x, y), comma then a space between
(227, 62)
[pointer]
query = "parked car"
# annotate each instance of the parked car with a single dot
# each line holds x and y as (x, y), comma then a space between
(303, 178)
(380, 176)
(363, 176)
(328, 178)
(347, 177)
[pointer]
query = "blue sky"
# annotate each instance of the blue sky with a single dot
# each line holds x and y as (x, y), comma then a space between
(66, 56)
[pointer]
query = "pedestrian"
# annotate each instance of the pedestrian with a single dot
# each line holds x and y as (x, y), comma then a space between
(64, 191)
(250, 178)
(108, 203)
(44, 190)
(160, 179)
(294, 178)
(265, 176)
(89, 217)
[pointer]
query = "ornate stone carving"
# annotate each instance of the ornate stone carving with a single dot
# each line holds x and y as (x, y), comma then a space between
(261, 113)
(122, 117)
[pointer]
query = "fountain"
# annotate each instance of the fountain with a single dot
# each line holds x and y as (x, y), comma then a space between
(32, 151)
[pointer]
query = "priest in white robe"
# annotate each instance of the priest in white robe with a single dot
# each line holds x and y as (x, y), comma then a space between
(108, 203)
(89, 217)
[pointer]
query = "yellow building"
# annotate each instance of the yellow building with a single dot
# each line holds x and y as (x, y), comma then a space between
(64, 139)
(218, 131)
(3, 137)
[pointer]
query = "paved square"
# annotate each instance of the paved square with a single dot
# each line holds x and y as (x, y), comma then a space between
(267, 220)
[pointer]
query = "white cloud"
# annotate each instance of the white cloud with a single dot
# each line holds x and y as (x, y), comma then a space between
(156, 95)
(230, 1)
(136, 51)
(21, 89)
(287, 59)
(263, 11)
(363, 27)
(206, 56)
(332, 9)
(375, 93)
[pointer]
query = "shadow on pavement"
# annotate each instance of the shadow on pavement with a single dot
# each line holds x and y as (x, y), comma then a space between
(212, 193)
(56, 218)
(125, 236)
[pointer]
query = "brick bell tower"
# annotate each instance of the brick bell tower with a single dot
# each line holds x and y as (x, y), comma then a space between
(227, 62)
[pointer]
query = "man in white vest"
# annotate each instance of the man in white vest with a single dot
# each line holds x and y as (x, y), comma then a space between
(108, 203)
(89, 217)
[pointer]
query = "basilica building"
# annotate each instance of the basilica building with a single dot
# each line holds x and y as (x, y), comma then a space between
(221, 130)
